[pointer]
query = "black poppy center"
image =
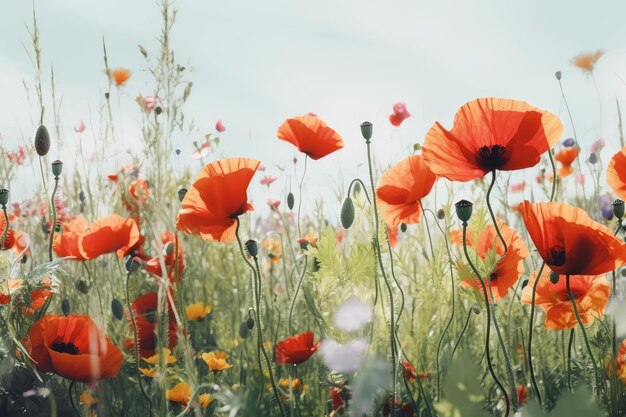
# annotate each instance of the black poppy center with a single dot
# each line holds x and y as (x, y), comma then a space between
(556, 256)
(491, 157)
(493, 277)
(65, 348)
(150, 315)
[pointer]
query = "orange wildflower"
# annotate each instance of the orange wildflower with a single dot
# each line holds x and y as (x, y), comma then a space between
(310, 135)
(590, 291)
(197, 311)
(587, 61)
(616, 174)
(217, 198)
(401, 189)
(490, 134)
(180, 393)
(216, 361)
(566, 157)
(120, 76)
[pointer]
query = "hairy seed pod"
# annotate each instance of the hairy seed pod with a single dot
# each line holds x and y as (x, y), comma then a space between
(42, 141)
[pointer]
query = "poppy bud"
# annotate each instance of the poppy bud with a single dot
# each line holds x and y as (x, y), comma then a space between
(290, 200)
(82, 197)
(618, 208)
(65, 307)
(169, 248)
(57, 227)
(107, 95)
(158, 110)
(475, 310)
(117, 309)
(57, 168)
(524, 283)
(441, 214)
(554, 277)
(4, 197)
(623, 272)
(463, 210)
(133, 263)
(593, 158)
(569, 142)
(181, 193)
(558, 75)
(82, 286)
(347, 213)
(252, 248)
(250, 323)
(243, 330)
(177, 151)
(366, 130)
(42, 141)
(403, 227)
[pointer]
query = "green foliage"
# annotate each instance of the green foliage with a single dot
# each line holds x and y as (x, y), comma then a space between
(464, 395)
(579, 403)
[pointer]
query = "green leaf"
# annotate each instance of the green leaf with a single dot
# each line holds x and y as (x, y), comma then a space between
(463, 393)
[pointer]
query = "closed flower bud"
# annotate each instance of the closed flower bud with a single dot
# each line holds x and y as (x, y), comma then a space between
(403, 227)
(524, 283)
(618, 208)
(169, 248)
(65, 307)
(57, 168)
(347, 213)
(243, 330)
(475, 310)
(42, 141)
(133, 263)
(463, 210)
(554, 277)
(117, 309)
(290, 200)
(4, 197)
(441, 214)
(366, 130)
(250, 323)
(252, 248)
(158, 110)
(558, 75)
(181, 193)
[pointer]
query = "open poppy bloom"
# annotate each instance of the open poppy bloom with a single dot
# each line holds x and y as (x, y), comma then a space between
(217, 197)
(310, 135)
(216, 361)
(66, 243)
(72, 347)
(616, 174)
(120, 76)
(180, 393)
(490, 134)
(153, 265)
(569, 241)
(402, 187)
(566, 157)
(587, 60)
(295, 349)
(145, 310)
(590, 291)
(399, 115)
(507, 269)
(110, 234)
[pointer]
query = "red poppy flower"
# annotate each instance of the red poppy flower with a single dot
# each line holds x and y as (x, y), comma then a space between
(522, 394)
(295, 349)
(310, 135)
(153, 265)
(144, 310)
(110, 234)
(402, 187)
(616, 174)
(591, 293)
(566, 157)
(569, 241)
(73, 347)
(408, 371)
(621, 362)
(399, 115)
(139, 192)
(508, 268)
(66, 243)
(217, 197)
(490, 134)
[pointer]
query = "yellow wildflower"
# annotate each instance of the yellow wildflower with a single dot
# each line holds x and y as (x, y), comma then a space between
(180, 393)
(155, 359)
(205, 400)
(216, 361)
(198, 311)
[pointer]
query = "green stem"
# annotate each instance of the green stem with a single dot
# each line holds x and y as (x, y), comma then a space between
(473, 310)
(554, 177)
(5, 232)
(488, 332)
(582, 328)
(392, 322)
(54, 216)
(493, 217)
(570, 344)
(295, 294)
(69, 394)
(530, 335)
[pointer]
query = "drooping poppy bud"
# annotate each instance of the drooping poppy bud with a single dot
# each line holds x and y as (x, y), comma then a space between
(290, 200)
(42, 141)
(133, 263)
(347, 213)
(181, 193)
(117, 309)
(65, 307)
(554, 277)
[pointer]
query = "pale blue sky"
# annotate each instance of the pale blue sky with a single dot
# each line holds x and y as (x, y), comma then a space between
(257, 63)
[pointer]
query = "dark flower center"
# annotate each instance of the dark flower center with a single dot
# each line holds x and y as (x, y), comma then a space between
(491, 157)
(493, 277)
(65, 348)
(556, 256)
(150, 315)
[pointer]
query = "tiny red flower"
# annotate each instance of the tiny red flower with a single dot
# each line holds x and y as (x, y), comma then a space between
(295, 349)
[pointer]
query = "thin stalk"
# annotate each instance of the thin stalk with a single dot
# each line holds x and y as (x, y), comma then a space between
(54, 216)
(473, 310)
(295, 294)
(582, 328)
(530, 335)
(554, 177)
(136, 341)
(507, 359)
(392, 322)
(5, 232)
(570, 344)
(69, 394)
(488, 332)
(306, 157)
(493, 217)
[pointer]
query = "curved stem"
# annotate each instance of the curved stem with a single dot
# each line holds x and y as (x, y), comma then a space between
(257, 299)
(54, 216)
(569, 359)
(295, 294)
(392, 322)
(306, 158)
(5, 232)
(507, 359)
(136, 341)
(69, 394)
(467, 322)
(582, 328)
(488, 332)
(362, 186)
(530, 334)
(554, 177)
(493, 217)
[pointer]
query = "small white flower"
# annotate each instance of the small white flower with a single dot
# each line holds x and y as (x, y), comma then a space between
(352, 315)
